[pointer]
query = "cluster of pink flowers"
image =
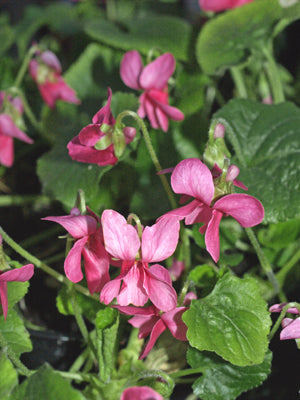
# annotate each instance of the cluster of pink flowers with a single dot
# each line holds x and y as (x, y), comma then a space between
(11, 110)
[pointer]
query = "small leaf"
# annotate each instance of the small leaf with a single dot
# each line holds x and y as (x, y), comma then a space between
(15, 292)
(46, 384)
(6, 35)
(14, 332)
(224, 381)
(9, 377)
(232, 321)
(266, 142)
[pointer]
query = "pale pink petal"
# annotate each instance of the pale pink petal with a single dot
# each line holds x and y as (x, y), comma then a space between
(96, 263)
(193, 178)
(188, 298)
(121, 239)
(157, 330)
(200, 214)
(72, 263)
(182, 212)
(9, 128)
(173, 320)
(51, 60)
(3, 298)
(66, 93)
(131, 68)
(159, 241)
(141, 111)
(161, 273)
(140, 393)
(212, 240)
(90, 134)
(18, 104)
(156, 74)
(286, 321)
(129, 134)
(280, 307)
(161, 293)
(77, 225)
(6, 150)
(171, 112)
(291, 331)
(149, 107)
(245, 209)
(162, 119)
(239, 184)
(22, 274)
(110, 290)
(132, 290)
(104, 115)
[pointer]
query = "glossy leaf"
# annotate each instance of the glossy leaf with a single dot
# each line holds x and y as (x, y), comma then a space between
(14, 332)
(9, 377)
(232, 321)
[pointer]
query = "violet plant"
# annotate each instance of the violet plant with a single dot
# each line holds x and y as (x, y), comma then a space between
(134, 227)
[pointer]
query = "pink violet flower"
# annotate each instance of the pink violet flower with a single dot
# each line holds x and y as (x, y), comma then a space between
(45, 70)
(22, 274)
(153, 80)
(220, 5)
(140, 393)
(82, 147)
(139, 281)
(87, 232)
(11, 110)
(151, 321)
(291, 327)
(193, 178)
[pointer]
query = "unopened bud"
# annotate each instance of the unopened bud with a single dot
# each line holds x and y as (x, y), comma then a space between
(219, 131)
(118, 141)
(232, 173)
(51, 60)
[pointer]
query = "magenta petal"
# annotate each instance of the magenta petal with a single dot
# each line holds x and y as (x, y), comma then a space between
(159, 241)
(157, 330)
(130, 310)
(9, 128)
(193, 178)
(212, 240)
(162, 119)
(3, 298)
(182, 212)
(129, 134)
(22, 274)
(104, 115)
(121, 239)
(132, 290)
(77, 225)
(171, 112)
(110, 290)
(140, 393)
(173, 320)
(130, 69)
(245, 209)
(6, 150)
(161, 293)
(73, 261)
(90, 134)
(144, 323)
(149, 107)
(156, 74)
(96, 264)
(291, 331)
(161, 273)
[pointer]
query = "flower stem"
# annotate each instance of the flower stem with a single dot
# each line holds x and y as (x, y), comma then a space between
(24, 66)
(39, 264)
(8, 200)
(273, 74)
(266, 266)
(238, 79)
(186, 372)
(281, 275)
(151, 151)
(23, 370)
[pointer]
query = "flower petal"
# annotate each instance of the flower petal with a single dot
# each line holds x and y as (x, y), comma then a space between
(77, 225)
(193, 178)
(159, 241)
(110, 290)
(157, 330)
(6, 150)
(212, 240)
(144, 323)
(245, 209)
(3, 298)
(132, 290)
(9, 128)
(131, 68)
(72, 263)
(104, 115)
(22, 274)
(156, 74)
(90, 134)
(173, 321)
(291, 331)
(140, 393)
(121, 239)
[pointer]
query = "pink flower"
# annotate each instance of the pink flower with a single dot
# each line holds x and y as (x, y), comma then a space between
(45, 70)
(220, 5)
(291, 327)
(87, 232)
(193, 178)
(153, 80)
(83, 147)
(10, 118)
(22, 274)
(140, 393)
(140, 282)
(151, 321)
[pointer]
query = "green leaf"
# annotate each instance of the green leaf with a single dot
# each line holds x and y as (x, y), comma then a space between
(9, 377)
(14, 332)
(144, 33)
(279, 236)
(46, 384)
(232, 321)
(6, 35)
(224, 381)
(205, 277)
(266, 142)
(107, 323)
(15, 292)
(227, 39)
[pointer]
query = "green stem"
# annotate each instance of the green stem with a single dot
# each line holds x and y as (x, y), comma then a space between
(266, 266)
(185, 372)
(9, 200)
(23, 370)
(75, 376)
(280, 318)
(281, 275)
(273, 74)
(80, 360)
(151, 151)
(31, 115)
(156, 374)
(239, 83)
(24, 66)
(39, 264)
